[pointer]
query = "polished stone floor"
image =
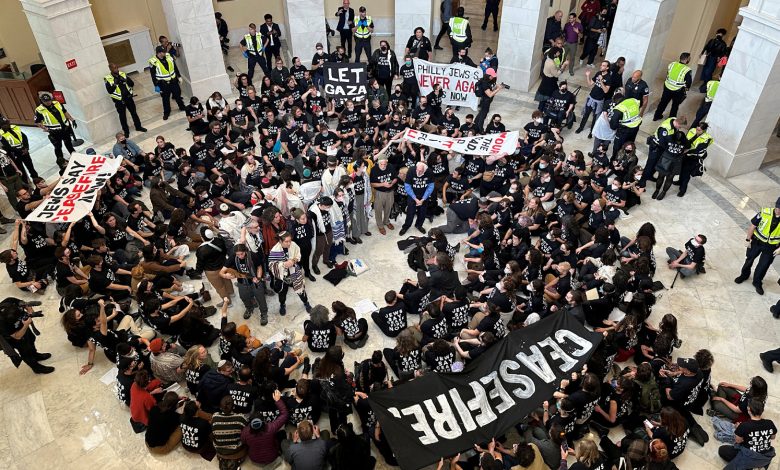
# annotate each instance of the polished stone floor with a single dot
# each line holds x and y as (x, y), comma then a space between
(74, 421)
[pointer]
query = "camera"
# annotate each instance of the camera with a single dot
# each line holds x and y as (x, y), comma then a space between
(506, 86)
(27, 316)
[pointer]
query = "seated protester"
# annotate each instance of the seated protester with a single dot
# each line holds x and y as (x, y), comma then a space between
(597, 246)
(166, 360)
(587, 456)
(353, 330)
(671, 429)
(405, 359)
(274, 365)
(243, 391)
(319, 332)
(214, 385)
(307, 450)
(472, 348)
(222, 190)
(195, 364)
(124, 244)
(27, 199)
(440, 356)
(614, 198)
(595, 272)
(105, 280)
(691, 260)
(126, 369)
(583, 394)
(435, 325)
(534, 132)
(20, 273)
(560, 284)
(240, 120)
(584, 195)
(495, 126)
(370, 373)
(226, 429)
(571, 304)
(731, 400)
(163, 432)
(618, 406)
(303, 404)
(535, 303)
(502, 297)
(351, 450)
(67, 273)
(196, 431)
(474, 166)
(456, 309)
(753, 440)
(634, 186)
(391, 319)
(441, 278)
(260, 436)
(196, 117)
(142, 399)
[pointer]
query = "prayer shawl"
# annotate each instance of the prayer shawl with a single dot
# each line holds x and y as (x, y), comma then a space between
(330, 181)
(336, 222)
(292, 275)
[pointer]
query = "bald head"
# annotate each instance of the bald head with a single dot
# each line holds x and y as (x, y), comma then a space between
(636, 76)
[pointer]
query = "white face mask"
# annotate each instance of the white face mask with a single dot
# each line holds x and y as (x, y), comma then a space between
(694, 242)
(550, 236)
(512, 190)
(539, 120)
(615, 187)
(542, 165)
(507, 270)
(638, 177)
(529, 288)
(204, 195)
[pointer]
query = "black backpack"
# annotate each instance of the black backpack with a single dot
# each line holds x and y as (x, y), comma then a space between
(416, 258)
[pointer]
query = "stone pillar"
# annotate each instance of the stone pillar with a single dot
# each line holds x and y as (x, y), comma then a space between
(744, 112)
(191, 23)
(65, 31)
(520, 40)
(410, 14)
(639, 34)
(305, 27)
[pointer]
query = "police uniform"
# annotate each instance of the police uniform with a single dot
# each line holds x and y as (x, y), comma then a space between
(12, 317)
(165, 77)
(460, 33)
(363, 27)
(16, 145)
(254, 48)
(693, 161)
(763, 242)
(120, 88)
(678, 81)
(54, 119)
(657, 144)
(704, 109)
(626, 119)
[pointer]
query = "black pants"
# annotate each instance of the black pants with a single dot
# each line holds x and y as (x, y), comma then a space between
(57, 137)
(269, 53)
(362, 45)
(623, 135)
(413, 209)
(305, 246)
(491, 10)
(283, 295)
(346, 41)
(252, 61)
(762, 251)
(127, 105)
(24, 162)
(387, 83)
(442, 32)
(689, 165)
(676, 97)
(703, 110)
(484, 109)
(773, 355)
(26, 348)
(589, 50)
(652, 160)
(170, 90)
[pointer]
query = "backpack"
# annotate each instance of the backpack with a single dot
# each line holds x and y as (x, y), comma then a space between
(649, 397)
(416, 259)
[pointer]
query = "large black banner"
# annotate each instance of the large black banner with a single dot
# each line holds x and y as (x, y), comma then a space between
(439, 415)
(344, 81)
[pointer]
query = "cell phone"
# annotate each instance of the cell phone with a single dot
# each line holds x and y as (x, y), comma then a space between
(565, 445)
(649, 424)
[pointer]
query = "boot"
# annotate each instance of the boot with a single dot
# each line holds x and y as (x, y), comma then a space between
(247, 313)
(263, 318)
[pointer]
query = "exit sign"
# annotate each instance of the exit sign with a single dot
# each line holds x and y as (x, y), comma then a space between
(70, 64)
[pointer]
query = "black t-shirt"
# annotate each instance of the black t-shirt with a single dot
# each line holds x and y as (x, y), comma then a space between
(302, 234)
(695, 254)
(287, 136)
(599, 464)
(319, 60)
(195, 433)
(382, 176)
(599, 80)
(584, 403)
(392, 319)
(18, 271)
(419, 183)
(303, 410)
(756, 434)
(323, 141)
(636, 90)
(535, 131)
(434, 328)
(243, 396)
(685, 389)
(320, 337)
(457, 314)
(122, 387)
(100, 280)
(675, 445)
(440, 363)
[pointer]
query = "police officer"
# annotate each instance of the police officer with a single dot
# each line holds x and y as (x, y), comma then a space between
(657, 144)
(678, 81)
(637, 88)
(704, 109)
(693, 161)
(16, 145)
(252, 47)
(486, 89)
(763, 237)
(55, 120)
(120, 88)
(17, 334)
(460, 31)
(165, 78)
(626, 119)
(363, 28)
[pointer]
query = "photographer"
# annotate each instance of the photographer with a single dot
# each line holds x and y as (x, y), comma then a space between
(17, 334)
(486, 89)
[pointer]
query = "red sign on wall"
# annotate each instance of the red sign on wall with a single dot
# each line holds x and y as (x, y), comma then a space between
(58, 96)
(70, 64)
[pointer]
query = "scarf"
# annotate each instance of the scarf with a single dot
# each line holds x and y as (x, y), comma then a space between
(336, 221)
(292, 275)
(330, 181)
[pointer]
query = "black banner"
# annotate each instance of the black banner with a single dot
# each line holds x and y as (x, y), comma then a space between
(345, 81)
(439, 415)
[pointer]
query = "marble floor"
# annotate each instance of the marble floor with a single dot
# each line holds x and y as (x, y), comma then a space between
(75, 421)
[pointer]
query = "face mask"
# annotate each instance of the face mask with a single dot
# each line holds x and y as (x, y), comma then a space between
(340, 199)
(408, 62)
(512, 190)
(638, 177)
(319, 51)
(239, 107)
(507, 270)
(538, 120)
(543, 165)
(694, 242)
(550, 236)
(384, 49)
(204, 195)
(615, 187)
(529, 288)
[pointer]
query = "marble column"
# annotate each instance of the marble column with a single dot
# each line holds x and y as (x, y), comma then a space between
(745, 110)
(65, 30)
(305, 27)
(639, 34)
(520, 40)
(410, 14)
(191, 23)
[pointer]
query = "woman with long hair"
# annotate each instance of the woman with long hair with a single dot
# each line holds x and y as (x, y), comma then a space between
(405, 359)
(354, 330)
(196, 363)
(731, 400)
(587, 455)
(163, 433)
(672, 430)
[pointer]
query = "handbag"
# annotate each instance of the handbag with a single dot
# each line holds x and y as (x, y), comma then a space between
(357, 266)
(702, 58)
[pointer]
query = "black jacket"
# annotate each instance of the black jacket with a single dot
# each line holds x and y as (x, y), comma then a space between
(211, 256)
(349, 17)
(213, 386)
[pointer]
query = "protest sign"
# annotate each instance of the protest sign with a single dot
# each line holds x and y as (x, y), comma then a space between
(344, 81)
(440, 415)
(75, 194)
(457, 80)
(490, 144)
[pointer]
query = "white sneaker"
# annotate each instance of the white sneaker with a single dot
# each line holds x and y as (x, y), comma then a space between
(582, 61)
(187, 289)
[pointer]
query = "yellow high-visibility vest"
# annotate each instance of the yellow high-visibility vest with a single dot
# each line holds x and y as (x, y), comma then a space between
(675, 77)
(116, 94)
(163, 71)
(250, 46)
(712, 88)
(762, 231)
(49, 121)
(13, 136)
(362, 32)
(630, 109)
(458, 27)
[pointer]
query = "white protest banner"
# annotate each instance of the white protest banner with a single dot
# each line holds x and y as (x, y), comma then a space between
(491, 144)
(78, 188)
(457, 80)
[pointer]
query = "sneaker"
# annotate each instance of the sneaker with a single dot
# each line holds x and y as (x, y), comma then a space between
(263, 318)
(306, 365)
(767, 363)
(282, 310)
(247, 313)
